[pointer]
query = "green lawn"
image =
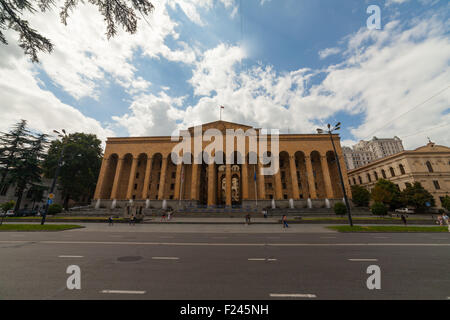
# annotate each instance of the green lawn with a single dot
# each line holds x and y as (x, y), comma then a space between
(388, 229)
(38, 227)
(63, 218)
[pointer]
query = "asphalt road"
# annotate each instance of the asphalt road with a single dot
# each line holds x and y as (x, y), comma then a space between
(133, 263)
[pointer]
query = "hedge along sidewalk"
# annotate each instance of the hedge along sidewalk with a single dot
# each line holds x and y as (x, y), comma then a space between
(389, 229)
(38, 227)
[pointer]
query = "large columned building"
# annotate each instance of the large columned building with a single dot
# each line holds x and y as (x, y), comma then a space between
(142, 169)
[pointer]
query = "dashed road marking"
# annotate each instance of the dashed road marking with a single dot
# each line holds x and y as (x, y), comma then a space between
(363, 260)
(261, 259)
(165, 258)
(293, 295)
(123, 291)
(63, 256)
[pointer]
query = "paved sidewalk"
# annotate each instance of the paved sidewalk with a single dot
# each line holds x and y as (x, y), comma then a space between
(170, 227)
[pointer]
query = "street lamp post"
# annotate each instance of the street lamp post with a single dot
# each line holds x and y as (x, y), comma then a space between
(330, 132)
(58, 168)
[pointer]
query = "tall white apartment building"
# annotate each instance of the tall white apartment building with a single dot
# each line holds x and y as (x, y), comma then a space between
(365, 152)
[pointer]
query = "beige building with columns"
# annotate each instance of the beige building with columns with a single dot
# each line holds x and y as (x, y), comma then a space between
(142, 168)
(429, 165)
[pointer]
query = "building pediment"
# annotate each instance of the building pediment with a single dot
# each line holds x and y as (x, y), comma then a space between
(221, 126)
(432, 147)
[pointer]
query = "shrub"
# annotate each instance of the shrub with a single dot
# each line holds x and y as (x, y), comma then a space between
(446, 203)
(340, 209)
(55, 208)
(7, 205)
(379, 209)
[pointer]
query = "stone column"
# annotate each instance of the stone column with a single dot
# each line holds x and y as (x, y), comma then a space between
(117, 179)
(211, 185)
(101, 179)
(228, 185)
(309, 172)
(244, 179)
(261, 182)
(162, 179)
(178, 182)
(132, 178)
(277, 176)
(194, 182)
(295, 191)
(148, 170)
(327, 177)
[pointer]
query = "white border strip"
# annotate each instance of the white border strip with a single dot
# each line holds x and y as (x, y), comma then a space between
(165, 258)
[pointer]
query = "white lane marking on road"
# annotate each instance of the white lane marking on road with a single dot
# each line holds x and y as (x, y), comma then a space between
(271, 259)
(261, 259)
(165, 258)
(123, 291)
(70, 256)
(362, 260)
(293, 295)
(236, 244)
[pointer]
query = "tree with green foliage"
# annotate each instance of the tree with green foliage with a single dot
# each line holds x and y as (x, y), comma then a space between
(22, 152)
(388, 193)
(417, 196)
(80, 165)
(379, 209)
(446, 203)
(11, 143)
(115, 12)
(360, 196)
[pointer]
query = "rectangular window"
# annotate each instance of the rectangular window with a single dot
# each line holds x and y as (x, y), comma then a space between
(174, 174)
(436, 185)
(135, 186)
(172, 186)
(285, 196)
(284, 186)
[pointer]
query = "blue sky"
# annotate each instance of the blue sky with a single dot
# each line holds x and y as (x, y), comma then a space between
(266, 61)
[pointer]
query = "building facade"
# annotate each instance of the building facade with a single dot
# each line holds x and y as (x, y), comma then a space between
(429, 165)
(143, 170)
(365, 152)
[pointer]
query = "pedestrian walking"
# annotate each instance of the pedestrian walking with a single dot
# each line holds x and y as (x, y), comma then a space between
(110, 221)
(248, 217)
(403, 219)
(265, 214)
(169, 215)
(163, 217)
(445, 218)
(285, 224)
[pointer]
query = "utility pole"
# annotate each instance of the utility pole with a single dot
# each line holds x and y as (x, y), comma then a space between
(330, 132)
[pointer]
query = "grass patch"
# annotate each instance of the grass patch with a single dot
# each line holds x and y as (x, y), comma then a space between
(38, 227)
(388, 229)
(377, 218)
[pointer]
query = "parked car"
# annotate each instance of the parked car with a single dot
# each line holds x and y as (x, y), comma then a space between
(404, 210)
(26, 212)
(8, 213)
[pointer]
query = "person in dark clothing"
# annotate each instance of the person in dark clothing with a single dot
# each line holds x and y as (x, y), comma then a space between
(403, 219)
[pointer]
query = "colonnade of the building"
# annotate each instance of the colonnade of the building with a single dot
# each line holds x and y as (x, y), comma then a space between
(156, 177)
